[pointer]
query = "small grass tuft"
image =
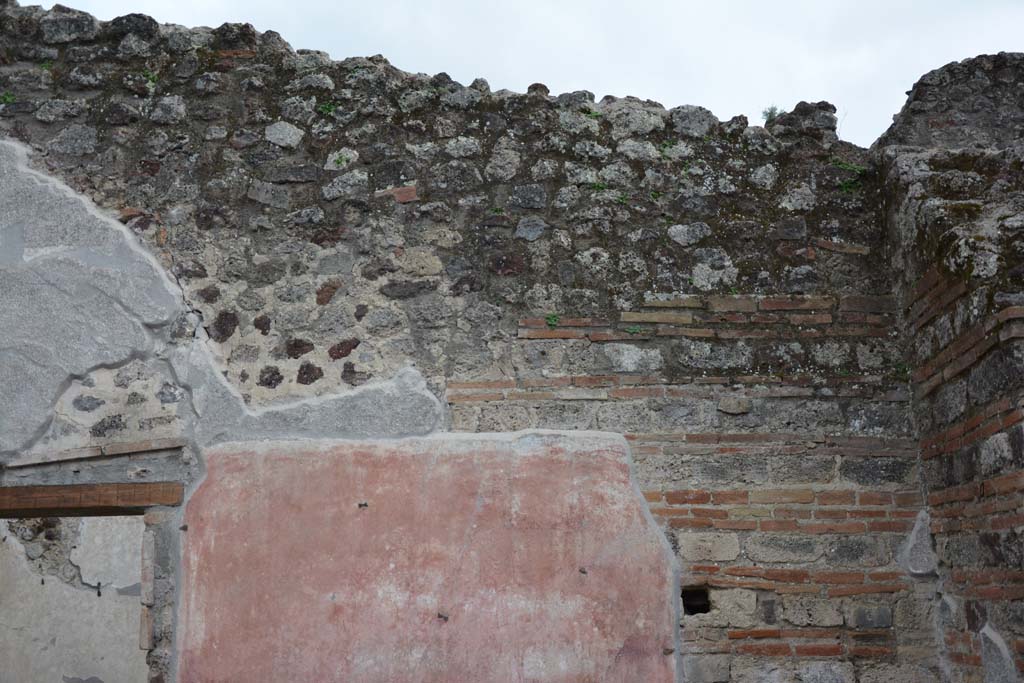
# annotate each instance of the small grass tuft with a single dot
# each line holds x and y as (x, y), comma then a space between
(771, 113)
(552, 319)
(8, 97)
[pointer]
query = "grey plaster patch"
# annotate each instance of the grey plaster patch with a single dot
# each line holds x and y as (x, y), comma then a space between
(996, 659)
(52, 631)
(80, 294)
(917, 556)
(109, 551)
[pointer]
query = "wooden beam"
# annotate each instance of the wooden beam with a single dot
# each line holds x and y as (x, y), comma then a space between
(86, 500)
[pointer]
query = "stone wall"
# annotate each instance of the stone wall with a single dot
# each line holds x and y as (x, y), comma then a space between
(787, 328)
(956, 217)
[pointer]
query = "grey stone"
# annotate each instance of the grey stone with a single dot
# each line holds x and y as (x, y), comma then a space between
(706, 668)
(76, 140)
(717, 547)
(55, 110)
(64, 25)
(530, 228)
(693, 121)
(318, 81)
(917, 556)
(783, 549)
(352, 185)
(825, 672)
(270, 194)
(794, 228)
(714, 268)
(284, 134)
(342, 159)
(529, 197)
(869, 616)
(877, 471)
(806, 610)
(170, 109)
(734, 405)
(631, 358)
(689, 234)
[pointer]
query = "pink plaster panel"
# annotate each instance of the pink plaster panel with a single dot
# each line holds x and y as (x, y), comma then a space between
(528, 557)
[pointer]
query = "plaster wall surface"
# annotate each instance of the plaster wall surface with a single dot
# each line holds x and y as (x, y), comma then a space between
(527, 557)
(63, 631)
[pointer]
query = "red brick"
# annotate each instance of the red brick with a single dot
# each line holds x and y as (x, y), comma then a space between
(810, 319)
(1001, 522)
(875, 498)
(819, 649)
(687, 497)
(839, 577)
(551, 334)
(836, 497)
(871, 651)
(754, 633)
(1006, 483)
(787, 575)
(402, 195)
(840, 591)
(782, 496)
(777, 303)
(595, 380)
(735, 524)
(732, 303)
(712, 513)
(637, 392)
(835, 528)
(474, 398)
(778, 525)
(484, 384)
(908, 498)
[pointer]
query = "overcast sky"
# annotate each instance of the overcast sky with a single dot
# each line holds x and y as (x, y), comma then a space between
(731, 56)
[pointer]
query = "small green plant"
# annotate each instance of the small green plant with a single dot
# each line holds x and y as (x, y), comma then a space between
(551, 319)
(327, 108)
(847, 166)
(633, 329)
(497, 211)
(849, 186)
(7, 97)
(655, 195)
(771, 113)
(666, 146)
(902, 371)
(46, 66)
(590, 113)
(734, 291)
(598, 187)
(622, 200)
(341, 160)
(150, 77)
